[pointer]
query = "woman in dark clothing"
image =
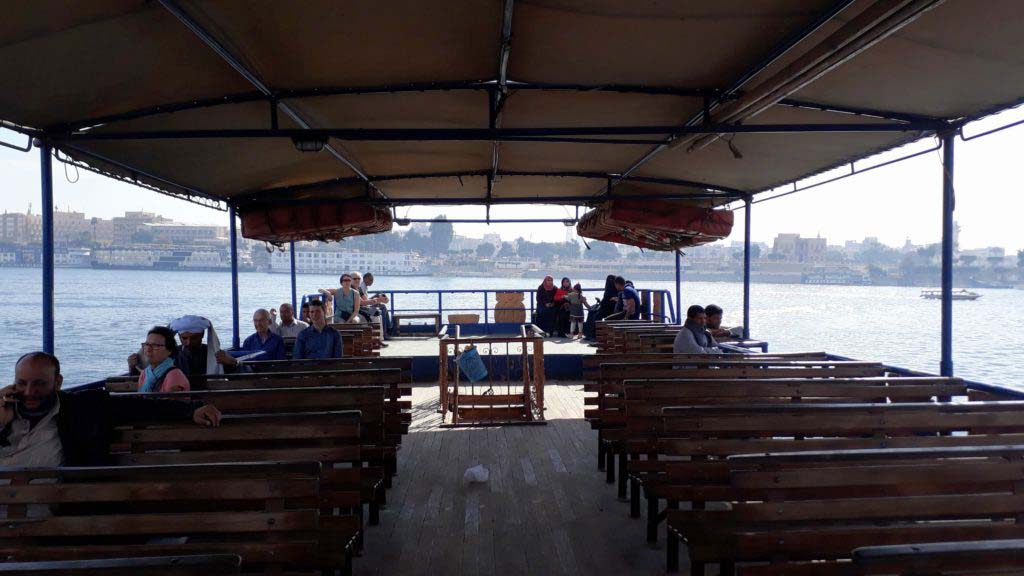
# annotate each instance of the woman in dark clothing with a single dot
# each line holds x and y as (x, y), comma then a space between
(606, 307)
(546, 315)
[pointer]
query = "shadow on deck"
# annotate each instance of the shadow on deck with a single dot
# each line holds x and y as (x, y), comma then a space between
(545, 510)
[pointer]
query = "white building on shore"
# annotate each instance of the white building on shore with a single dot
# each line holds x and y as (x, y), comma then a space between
(337, 262)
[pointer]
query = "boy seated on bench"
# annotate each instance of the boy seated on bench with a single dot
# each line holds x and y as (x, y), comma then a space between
(46, 427)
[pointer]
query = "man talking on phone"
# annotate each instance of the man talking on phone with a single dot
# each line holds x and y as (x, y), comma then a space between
(44, 426)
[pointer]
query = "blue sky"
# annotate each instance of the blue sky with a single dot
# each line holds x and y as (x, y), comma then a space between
(893, 203)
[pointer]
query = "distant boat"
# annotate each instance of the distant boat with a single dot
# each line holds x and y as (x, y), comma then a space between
(961, 294)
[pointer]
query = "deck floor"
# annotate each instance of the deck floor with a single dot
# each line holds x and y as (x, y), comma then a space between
(545, 510)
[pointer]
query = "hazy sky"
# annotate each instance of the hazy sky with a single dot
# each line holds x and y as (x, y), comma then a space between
(893, 203)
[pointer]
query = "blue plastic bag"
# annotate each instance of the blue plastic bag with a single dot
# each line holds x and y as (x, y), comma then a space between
(472, 365)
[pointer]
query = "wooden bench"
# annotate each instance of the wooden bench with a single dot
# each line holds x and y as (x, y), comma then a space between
(358, 340)
(638, 413)
(330, 438)
(195, 565)
(379, 437)
(268, 514)
(942, 559)
(402, 363)
(396, 319)
(691, 435)
(790, 517)
(613, 374)
(397, 409)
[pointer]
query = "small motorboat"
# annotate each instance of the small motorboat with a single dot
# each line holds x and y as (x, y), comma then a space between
(961, 294)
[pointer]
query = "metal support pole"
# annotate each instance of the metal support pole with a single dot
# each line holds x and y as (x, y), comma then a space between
(46, 180)
(948, 205)
(679, 282)
(235, 342)
(746, 269)
(291, 253)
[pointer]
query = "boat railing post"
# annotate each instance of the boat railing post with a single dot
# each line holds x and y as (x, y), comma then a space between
(679, 283)
(235, 341)
(485, 307)
(46, 181)
(440, 295)
(948, 205)
(291, 253)
(746, 268)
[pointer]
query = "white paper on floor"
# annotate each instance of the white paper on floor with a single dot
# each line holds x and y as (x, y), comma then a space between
(476, 474)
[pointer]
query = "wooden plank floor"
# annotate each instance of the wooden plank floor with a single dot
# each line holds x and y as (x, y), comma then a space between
(545, 510)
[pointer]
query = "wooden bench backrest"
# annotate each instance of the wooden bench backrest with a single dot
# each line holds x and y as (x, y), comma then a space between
(330, 438)
(942, 559)
(265, 513)
(352, 377)
(745, 368)
(403, 363)
(826, 512)
(193, 565)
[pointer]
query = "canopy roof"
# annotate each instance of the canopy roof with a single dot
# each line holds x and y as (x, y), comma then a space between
(491, 101)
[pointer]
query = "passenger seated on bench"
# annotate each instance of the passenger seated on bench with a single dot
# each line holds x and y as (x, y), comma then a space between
(44, 426)
(379, 306)
(693, 338)
(161, 374)
(263, 340)
(194, 357)
(629, 300)
(714, 325)
(318, 340)
(289, 327)
(346, 301)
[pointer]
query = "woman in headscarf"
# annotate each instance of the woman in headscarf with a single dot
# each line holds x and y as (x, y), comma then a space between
(161, 375)
(606, 306)
(562, 307)
(546, 315)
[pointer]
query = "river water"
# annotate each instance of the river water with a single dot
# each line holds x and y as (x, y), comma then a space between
(102, 315)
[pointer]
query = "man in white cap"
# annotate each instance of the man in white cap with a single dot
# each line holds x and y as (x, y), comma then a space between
(195, 357)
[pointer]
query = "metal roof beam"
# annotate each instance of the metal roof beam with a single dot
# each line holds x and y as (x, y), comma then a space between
(578, 133)
(497, 96)
(772, 57)
(327, 91)
(858, 111)
(251, 77)
(706, 189)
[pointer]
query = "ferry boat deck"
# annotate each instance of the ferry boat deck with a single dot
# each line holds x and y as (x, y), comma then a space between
(545, 509)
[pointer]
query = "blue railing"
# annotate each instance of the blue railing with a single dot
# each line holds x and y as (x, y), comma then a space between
(483, 302)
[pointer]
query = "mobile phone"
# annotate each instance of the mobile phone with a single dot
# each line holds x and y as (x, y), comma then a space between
(15, 398)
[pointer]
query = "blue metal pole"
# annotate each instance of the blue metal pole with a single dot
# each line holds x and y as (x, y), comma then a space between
(746, 269)
(679, 283)
(235, 342)
(948, 205)
(485, 307)
(46, 179)
(291, 253)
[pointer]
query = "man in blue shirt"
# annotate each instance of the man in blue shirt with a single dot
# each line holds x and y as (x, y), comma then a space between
(318, 340)
(629, 299)
(263, 340)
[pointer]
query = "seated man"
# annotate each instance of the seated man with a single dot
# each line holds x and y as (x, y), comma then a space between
(289, 327)
(193, 357)
(629, 299)
(692, 337)
(44, 426)
(318, 340)
(263, 340)
(714, 325)
(379, 305)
